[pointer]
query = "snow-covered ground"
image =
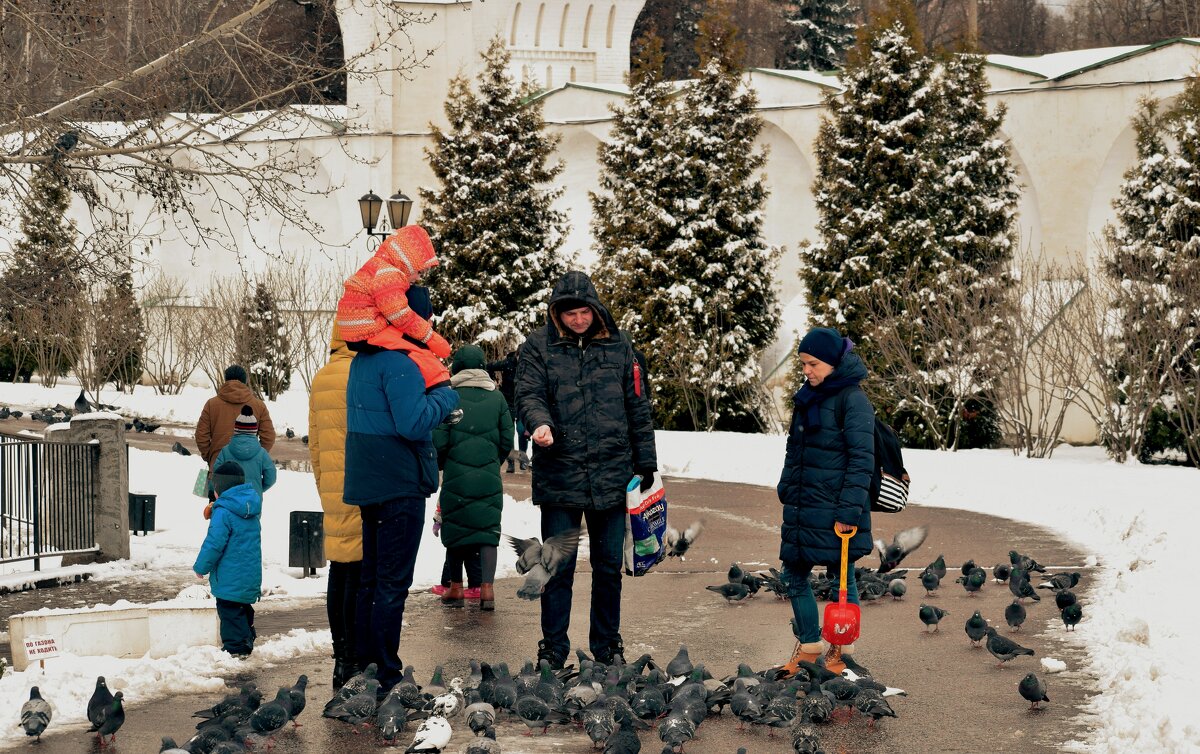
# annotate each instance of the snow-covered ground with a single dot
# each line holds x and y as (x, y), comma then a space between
(1139, 628)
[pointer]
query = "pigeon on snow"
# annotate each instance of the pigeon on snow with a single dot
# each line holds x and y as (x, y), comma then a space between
(35, 714)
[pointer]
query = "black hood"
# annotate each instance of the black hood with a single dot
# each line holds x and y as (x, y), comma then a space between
(577, 286)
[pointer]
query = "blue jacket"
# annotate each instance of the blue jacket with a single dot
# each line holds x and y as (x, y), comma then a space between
(390, 421)
(245, 451)
(231, 555)
(827, 475)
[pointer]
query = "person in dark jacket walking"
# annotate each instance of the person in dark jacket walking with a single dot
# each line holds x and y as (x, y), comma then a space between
(578, 392)
(392, 405)
(505, 372)
(825, 483)
(231, 557)
(214, 428)
(470, 452)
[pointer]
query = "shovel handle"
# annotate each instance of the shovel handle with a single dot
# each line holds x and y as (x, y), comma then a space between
(846, 536)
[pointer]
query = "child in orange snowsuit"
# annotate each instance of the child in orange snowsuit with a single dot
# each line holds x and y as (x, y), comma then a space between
(374, 307)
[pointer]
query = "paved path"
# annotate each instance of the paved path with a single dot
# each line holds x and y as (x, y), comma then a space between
(958, 700)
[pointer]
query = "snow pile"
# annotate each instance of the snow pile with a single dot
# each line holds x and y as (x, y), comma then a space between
(1129, 517)
(69, 680)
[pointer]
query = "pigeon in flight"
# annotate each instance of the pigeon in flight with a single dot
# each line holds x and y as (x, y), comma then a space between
(678, 544)
(540, 561)
(902, 544)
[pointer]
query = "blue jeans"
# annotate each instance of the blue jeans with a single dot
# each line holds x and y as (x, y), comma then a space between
(391, 537)
(807, 619)
(606, 540)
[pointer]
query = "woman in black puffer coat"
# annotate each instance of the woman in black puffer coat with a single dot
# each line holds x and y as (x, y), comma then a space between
(826, 481)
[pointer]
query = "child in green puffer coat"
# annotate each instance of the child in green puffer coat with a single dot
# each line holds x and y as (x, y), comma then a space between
(472, 494)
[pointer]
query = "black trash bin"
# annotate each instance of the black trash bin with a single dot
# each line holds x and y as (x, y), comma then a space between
(141, 512)
(306, 541)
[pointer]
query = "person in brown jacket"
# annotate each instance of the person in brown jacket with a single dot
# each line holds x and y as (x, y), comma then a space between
(214, 430)
(343, 523)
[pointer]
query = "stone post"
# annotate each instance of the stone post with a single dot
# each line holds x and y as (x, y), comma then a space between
(111, 474)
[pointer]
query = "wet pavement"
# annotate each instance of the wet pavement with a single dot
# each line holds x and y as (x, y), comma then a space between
(959, 701)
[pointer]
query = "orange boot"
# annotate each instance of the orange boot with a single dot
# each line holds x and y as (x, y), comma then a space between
(804, 652)
(487, 597)
(454, 595)
(833, 657)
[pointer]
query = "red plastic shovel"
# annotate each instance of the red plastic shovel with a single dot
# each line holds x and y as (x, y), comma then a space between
(842, 619)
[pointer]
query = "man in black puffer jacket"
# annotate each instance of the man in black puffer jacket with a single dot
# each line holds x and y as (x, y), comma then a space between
(580, 395)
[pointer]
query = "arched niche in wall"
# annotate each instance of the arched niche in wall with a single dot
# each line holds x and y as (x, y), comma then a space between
(516, 18)
(549, 77)
(587, 26)
(1121, 156)
(562, 26)
(612, 21)
(537, 30)
(789, 219)
(578, 150)
(572, 73)
(1029, 210)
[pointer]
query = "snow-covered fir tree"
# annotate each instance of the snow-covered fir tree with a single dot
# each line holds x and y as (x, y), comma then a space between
(268, 350)
(42, 286)
(875, 181)
(632, 224)
(973, 215)
(817, 34)
(718, 308)
(492, 218)
(120, 334)
(1154, 257)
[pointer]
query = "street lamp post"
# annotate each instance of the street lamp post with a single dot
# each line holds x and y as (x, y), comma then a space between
(370, 205)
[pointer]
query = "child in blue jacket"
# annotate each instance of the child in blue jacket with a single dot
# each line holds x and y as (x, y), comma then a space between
(231, 557)
(245, 450)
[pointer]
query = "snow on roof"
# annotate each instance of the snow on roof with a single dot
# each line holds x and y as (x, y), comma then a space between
(1056, 66)
(827, 79)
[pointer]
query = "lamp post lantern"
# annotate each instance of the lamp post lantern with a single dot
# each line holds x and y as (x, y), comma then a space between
(370, 207)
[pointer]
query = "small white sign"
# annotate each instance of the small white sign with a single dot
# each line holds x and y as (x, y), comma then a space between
(40, 647)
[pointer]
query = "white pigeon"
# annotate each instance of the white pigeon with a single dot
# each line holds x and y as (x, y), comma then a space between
(853, 677)
(449, 704)
(432, 737)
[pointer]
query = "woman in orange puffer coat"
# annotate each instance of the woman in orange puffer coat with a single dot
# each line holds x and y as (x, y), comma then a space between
(343, 524)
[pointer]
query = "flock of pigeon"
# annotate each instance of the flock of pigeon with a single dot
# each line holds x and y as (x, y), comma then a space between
(887, 580)
(611, 704)
(60, 413)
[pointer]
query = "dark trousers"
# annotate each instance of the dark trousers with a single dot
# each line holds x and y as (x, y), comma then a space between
(456, 559)
(606, 540)
(391, 537)
(237, 626)
(341, 602)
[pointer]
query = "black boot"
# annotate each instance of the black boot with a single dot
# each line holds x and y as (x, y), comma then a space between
(511, 465)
